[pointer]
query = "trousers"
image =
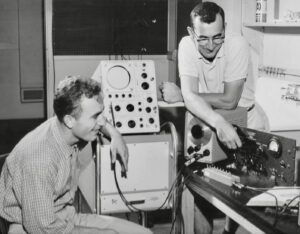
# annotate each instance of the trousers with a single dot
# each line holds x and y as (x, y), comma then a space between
(95, 224)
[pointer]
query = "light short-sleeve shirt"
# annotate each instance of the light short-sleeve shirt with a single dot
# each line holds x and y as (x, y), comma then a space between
(232, 63)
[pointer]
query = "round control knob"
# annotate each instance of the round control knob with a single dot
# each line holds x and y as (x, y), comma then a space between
(151, 120)
(197, 148)
(131, 123)
(118, 124)
(144, 75)
(130, 107)
(148, 109)
(206, 153)
(117, 108)
(145, 85)
(190, 150)
(149, 99)
(197, 132)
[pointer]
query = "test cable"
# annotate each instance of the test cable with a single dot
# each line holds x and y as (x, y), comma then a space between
(130, 206)
(288, 204)
(265, 191)
(175, 184)
(133, 208)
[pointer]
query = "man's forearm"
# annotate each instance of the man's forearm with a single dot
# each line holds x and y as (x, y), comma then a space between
(202, 109)
(219, 101)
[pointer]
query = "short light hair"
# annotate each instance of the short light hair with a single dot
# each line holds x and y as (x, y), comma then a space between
(68, 95)
(207, 12)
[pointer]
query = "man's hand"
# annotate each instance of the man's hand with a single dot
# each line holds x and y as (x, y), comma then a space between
(227, 134)
(119, 151)
(118, 147)
(170, 92)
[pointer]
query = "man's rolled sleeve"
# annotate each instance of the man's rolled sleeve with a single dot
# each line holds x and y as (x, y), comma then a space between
(186, 58)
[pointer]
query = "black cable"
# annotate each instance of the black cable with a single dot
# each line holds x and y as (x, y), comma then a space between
(178, 208)
(180, 186)
(276, 200)
(120, 193)
(133, 208)
(288, 204)
(276, 208)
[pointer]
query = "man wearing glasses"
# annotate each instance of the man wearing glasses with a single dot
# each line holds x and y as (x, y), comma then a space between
(214, 74)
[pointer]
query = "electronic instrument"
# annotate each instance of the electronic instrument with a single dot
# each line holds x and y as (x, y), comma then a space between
(150, 176)
(264, 159)
(130, 96)
(201, 140)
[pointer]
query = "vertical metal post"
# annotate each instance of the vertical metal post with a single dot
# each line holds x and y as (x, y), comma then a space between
(50, 76)
(172, 39)
(98, 179)
(299, 214)
(144, 218)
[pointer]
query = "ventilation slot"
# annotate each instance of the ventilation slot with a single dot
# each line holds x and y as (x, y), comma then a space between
(32, 94)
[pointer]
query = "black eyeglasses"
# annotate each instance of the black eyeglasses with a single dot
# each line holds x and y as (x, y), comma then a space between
(217, 40)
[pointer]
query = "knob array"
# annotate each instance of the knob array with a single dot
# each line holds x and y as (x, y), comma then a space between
(130, 96)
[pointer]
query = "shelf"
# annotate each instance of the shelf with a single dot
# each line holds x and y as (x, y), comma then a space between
(273, 24)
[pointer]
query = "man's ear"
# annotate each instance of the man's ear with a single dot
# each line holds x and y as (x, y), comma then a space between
(190, 31)
(69, 121)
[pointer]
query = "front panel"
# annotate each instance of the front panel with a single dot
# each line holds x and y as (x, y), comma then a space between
(130, 96)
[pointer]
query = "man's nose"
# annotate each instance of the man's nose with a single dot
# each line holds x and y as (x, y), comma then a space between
(210, 44)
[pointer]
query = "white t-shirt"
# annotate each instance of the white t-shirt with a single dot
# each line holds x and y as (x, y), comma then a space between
(232, 63)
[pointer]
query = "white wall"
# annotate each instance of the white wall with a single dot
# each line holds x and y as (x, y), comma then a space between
(281, 47)
(232, 9)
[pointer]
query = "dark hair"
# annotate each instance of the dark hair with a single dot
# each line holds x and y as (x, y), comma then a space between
(67, 100)
(207, 12)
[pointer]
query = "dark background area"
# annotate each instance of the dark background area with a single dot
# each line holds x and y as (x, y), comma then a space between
(110, 27)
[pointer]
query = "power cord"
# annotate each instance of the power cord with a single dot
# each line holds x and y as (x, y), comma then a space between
(286, 206)
(177, 182)
(130, 206)
(133, 208)
(265, 191)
